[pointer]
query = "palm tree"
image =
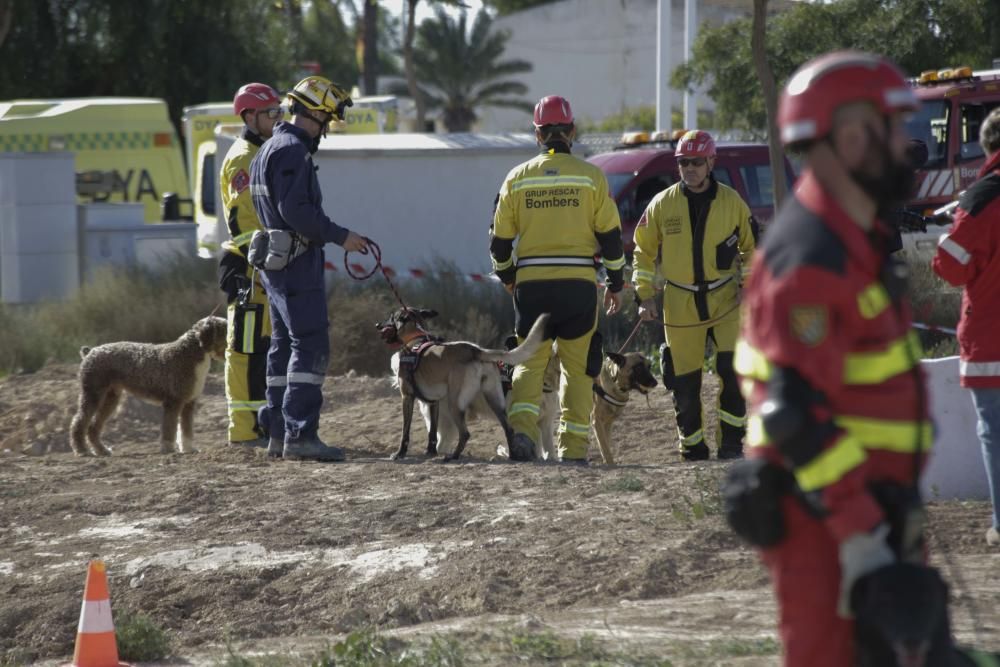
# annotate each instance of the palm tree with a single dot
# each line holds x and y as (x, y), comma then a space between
(458, 70)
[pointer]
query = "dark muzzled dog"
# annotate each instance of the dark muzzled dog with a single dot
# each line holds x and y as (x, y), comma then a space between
(901, 620)
(450, 374)
(169, 374)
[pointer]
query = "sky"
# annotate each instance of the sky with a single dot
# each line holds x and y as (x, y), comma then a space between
(426, 9)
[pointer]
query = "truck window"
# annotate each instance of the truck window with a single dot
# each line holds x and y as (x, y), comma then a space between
(971, 118)
(759, 183)
(208, 184)
(930, 125)
(648, 189)
(722, 176)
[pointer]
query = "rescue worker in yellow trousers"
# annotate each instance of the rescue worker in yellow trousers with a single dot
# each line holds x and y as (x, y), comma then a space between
(249, 334)
(559, 210)
(698, 228)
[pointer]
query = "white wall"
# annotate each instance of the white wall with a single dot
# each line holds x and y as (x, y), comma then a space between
(956, 468)
(599, 54)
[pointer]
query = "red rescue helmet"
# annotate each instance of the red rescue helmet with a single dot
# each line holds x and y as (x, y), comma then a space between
(695, 143)
(823, 84)
(553, 110)
(255, 96)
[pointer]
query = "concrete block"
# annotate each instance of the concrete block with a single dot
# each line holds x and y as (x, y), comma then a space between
(31, 278)
(37, 178)
(38, 228)
(956, 469)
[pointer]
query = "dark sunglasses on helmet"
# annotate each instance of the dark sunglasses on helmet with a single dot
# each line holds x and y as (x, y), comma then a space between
(691, 161)
(272, 114)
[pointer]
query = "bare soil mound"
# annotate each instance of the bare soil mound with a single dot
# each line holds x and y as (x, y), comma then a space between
(224, 546)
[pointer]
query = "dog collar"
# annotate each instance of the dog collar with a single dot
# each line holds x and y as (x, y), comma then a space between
(599, 390)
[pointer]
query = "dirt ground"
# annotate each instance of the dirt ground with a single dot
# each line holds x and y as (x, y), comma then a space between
(225, 547)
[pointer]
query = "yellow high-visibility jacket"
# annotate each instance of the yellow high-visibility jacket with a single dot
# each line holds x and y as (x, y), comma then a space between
(234, 181)
(559, 209)
(665, 230)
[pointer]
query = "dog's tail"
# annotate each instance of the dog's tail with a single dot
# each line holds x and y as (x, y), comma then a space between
(522, 352)
(84, 351)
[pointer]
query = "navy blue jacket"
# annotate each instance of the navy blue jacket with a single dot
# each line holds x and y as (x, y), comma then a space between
(285, 189)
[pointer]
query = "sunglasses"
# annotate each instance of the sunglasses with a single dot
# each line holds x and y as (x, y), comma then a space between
(691, 161)
(272, 114)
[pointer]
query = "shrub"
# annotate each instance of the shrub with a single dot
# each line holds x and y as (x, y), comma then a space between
(139, 638)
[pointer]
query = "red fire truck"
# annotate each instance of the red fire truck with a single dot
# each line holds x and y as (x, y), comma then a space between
(955, 103)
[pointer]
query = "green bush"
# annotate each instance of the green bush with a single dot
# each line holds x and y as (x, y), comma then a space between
(935, 304)
(117, 304)
(140, 639)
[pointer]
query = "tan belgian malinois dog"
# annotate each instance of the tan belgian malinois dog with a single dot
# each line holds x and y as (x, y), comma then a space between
(449, 375)
(620, 374)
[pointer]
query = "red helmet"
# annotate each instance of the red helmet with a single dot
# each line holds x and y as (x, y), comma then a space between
(553, 110)
(695, 143)
(255, 96)
(823, 84)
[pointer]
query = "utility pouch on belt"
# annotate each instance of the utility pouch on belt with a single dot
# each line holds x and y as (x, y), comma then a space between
(751, 496)
(248, 323)
(274, 249)
(595, 355)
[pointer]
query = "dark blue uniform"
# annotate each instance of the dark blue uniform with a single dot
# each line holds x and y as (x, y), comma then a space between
(286, 195)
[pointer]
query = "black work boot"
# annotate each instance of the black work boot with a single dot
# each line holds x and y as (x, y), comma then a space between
(311, 449)
(697, 452)
(521, 448)
(275, 447)
(730, 451)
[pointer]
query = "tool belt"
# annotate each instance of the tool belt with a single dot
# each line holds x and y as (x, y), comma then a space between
(274, 249)
(702, 287)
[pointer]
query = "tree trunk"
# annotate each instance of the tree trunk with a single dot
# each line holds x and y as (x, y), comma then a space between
(6, 18)
(369, 63)
(758, 48)
(411, 76)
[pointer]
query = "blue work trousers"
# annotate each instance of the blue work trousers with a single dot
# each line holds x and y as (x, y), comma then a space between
(300, 347)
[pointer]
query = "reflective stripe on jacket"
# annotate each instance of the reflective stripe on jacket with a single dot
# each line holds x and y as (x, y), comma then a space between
(234, 184)
(556, 205)
(665, 231)
(969, 256)
(818, 302)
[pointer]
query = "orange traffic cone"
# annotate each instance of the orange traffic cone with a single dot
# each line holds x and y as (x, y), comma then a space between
(95, 636)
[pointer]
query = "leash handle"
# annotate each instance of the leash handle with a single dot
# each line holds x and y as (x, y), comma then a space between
(376, 252)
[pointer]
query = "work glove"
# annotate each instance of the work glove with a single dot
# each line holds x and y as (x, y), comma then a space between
(647, 309)
(861, 554)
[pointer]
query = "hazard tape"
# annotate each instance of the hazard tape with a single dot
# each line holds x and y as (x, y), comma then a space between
(934, 328)
(413, 273)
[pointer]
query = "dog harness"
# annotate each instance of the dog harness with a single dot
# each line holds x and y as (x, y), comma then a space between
(617, 402)
(409, 360)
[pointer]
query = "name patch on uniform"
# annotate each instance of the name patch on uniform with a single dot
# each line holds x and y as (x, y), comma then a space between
(672, 225)
(551, 172)
(808, 324)
(557, 197)
(241, 181)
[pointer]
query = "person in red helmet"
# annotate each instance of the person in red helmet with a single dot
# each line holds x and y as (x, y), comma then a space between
(558, 209)
(259, 107)
(838, 421)
(701, 232)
